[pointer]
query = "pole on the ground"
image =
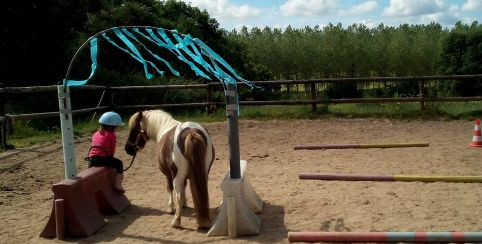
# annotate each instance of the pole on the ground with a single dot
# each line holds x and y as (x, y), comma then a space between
(359, 146)
(405, 178)
(386, 237)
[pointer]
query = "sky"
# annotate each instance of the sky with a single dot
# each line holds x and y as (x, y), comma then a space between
(234, 14)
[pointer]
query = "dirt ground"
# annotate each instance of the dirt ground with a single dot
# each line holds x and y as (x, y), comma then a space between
(290, 204)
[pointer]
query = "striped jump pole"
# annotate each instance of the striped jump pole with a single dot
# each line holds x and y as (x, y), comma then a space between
(406, 178)
(359, 146)
(375, 237)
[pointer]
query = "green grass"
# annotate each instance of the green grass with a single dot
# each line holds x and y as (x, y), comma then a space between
(26, 134)
(462, 110)
(447, 110)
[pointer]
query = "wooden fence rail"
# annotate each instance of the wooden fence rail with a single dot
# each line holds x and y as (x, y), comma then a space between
(210, 88)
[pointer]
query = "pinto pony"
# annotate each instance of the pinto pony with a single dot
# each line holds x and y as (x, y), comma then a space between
(184, 151)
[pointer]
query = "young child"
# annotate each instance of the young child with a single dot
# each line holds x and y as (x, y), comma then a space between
(103, 146)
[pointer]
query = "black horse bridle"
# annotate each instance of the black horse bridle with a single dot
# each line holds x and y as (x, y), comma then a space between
(140, 141)
(141, 134)
(134, 145)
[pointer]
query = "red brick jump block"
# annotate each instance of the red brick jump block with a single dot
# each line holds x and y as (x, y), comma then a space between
(79, 205)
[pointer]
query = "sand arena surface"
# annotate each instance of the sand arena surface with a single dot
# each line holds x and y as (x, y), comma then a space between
(290, 204)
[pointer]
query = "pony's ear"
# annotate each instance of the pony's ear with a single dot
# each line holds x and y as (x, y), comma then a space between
(139, 116)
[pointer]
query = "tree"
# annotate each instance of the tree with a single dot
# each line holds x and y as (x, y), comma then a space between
(35, 39)
(462, 54)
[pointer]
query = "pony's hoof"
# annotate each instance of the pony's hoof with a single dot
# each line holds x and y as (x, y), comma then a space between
(170, 210)
(176, 223)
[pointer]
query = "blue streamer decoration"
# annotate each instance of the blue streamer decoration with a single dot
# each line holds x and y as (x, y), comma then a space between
(175, 72)
(176, 47)
(136, 54)
(192, 51)
(93, 67)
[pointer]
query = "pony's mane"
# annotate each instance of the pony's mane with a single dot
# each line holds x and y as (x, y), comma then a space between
(132, 120)
(156, 113)
(155, 122)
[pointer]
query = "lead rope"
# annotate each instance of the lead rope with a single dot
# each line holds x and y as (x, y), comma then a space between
(88, 158)
(132, 161)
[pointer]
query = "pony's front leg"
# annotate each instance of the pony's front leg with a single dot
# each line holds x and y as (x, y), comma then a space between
(178, 198)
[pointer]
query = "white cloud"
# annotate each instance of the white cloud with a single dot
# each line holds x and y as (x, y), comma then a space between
(404, 8)
(368, 23)
(309, 7)
(360, 9)
(299, 13)
(224, 9)
(472, 5)
(365, 7)
(423, 12)
(444, 18)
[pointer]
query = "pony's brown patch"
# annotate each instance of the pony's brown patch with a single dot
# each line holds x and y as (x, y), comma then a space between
(189, 132)
(164, 157)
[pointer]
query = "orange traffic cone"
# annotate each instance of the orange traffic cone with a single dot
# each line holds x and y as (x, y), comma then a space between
(477, 138)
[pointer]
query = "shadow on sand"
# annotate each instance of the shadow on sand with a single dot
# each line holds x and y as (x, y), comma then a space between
(122, 221)
(272, 230)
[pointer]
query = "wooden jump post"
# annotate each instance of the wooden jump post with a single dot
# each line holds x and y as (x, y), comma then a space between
(358, 146)
(406, 178)
(411, 237)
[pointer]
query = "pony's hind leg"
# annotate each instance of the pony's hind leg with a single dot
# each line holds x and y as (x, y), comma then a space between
(170, 189)
(170, 204)
(178, 192)
(183, 195)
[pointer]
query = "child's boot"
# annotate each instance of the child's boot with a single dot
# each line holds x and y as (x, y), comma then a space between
(118, 183)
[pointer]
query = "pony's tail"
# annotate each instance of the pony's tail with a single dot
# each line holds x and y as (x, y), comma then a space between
(195, 152)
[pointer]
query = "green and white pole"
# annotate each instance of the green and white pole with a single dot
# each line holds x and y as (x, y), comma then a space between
(66, 125)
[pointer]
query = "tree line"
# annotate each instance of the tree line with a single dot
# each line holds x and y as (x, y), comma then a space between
(36, 50)
(359, 51)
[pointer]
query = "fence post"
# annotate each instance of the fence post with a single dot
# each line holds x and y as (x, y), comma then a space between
(420, 94)
(110, 95)
(209, 98)
(313, 97)
(3, 119)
